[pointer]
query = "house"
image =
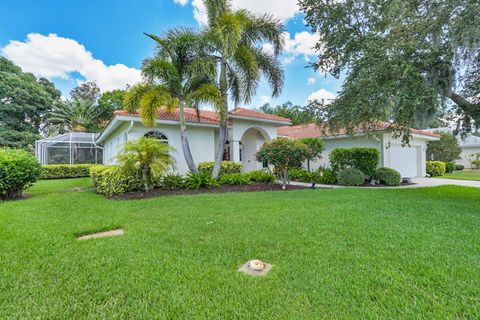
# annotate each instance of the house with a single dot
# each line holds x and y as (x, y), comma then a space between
(247, 131)
(408, 160)
(470, 145)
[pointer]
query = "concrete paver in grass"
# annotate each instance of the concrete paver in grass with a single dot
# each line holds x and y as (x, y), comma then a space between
(103, 234)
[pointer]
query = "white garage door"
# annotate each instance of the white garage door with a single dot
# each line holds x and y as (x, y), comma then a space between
(405, 160)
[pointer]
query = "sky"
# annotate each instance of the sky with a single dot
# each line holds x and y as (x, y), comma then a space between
(70, 42)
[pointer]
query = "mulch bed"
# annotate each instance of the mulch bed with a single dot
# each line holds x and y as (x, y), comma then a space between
(252, 187)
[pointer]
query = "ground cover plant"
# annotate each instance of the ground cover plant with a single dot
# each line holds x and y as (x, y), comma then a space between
(342, 253)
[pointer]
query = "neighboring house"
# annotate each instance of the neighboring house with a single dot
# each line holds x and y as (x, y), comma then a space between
(408, 160)
(247, 132)
(470, 146)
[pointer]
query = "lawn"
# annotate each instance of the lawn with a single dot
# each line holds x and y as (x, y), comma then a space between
(463, 175)
(337, 253)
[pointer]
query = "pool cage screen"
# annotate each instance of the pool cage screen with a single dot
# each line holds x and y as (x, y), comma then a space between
(69, 148)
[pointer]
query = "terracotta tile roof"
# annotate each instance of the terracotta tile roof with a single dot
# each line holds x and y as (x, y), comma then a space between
(314, 130)
(206, 117)
(242, 112)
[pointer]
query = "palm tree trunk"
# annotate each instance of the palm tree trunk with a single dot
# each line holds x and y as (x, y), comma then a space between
(223, 121)
(184, 138)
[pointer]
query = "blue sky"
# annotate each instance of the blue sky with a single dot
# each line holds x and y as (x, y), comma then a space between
(73, 41)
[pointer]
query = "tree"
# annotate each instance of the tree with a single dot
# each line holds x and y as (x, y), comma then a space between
(283, 154)
(25, 102)
(315, 147)
(405, 60)
(236, 38)
(87, 91)
(147, 156)
(110, 101)
(75, 115)
(297, 114)
(447, 149)
(176, 76)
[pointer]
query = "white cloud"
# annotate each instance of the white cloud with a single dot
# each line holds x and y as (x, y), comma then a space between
(265, 99)
(311, 80)
(322, 95)
(53, 56)
(181, 2)
(282, 9)
(302, 43)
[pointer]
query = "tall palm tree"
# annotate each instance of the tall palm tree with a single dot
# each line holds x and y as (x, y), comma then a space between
(178, 75)
(235, 37)
(75, 115)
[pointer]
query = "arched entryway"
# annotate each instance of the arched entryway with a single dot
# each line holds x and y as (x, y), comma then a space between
(252, 139)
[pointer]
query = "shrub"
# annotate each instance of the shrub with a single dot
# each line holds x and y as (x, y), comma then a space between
(110, 180)
(459, 167)
(195, 181)
(447, 149)
(326, 176)
(297, 174)
(350, 177)
(148, 157)
(283, 153)
(234, 178)
(435, 168)
(226, 167)
(388, 176)
(315, 147)
(18, 170)
(476, 164)
(449, 167)
(64, 171)
(261, 176)
(364, 159)
(172, 181)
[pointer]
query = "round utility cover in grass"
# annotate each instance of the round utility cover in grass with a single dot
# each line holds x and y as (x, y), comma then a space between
(255, 268)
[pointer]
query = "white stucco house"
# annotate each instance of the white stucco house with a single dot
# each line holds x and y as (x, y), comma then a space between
(410, 161)
(247, 132)
(470, 145)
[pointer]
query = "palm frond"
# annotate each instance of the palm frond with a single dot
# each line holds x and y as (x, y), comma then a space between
(152, 100)
(246, 67)
(215, 8)
(134, 95)
(271, 68)
(264, 28)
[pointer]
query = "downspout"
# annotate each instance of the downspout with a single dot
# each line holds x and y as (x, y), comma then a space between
(129, 129)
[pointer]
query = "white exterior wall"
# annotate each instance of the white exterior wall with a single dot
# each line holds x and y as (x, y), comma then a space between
(467, 155)
(201, 140)
(383, 142)
(343, 142)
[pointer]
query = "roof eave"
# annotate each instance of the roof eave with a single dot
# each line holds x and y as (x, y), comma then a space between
(282, 123)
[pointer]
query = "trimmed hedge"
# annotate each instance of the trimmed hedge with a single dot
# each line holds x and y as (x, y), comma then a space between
(110, 180)
(225, 167)
(435, 168)
(364, 159)
(18, 171)
(350, 177)
(388, 176)
(449, 167)
(64, 171)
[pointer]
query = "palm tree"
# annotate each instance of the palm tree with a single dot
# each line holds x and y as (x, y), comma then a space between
(148, 156)
(76, 115)
(235, 37)
(178, 75)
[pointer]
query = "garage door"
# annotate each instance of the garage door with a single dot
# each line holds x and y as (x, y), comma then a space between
(405, 160)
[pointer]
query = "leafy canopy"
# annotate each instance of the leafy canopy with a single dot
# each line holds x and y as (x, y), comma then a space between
(405, 60)
(25, 102)
(447, 149)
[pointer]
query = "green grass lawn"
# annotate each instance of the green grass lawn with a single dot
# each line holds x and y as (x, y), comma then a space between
(337, 253)
(463, 175)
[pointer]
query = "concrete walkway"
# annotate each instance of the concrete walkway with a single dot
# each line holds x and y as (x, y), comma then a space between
(418, 183)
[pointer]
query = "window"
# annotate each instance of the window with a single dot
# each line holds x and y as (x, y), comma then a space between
(157, 135)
